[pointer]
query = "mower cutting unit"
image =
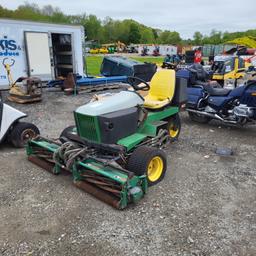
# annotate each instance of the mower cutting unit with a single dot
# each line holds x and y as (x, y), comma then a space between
(115, 150)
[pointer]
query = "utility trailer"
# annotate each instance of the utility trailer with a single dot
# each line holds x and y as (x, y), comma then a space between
(43, 50)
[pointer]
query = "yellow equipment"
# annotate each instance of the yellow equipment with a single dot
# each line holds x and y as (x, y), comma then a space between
(121, 47)
(94, 51)
(247, 41)
(228, 69)
(24, 89)
(103, 50)
(162, 88)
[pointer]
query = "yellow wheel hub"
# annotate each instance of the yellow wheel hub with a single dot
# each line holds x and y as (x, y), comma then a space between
(155, 168)
(172, 132)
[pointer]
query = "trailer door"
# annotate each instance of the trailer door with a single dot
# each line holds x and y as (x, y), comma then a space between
(38, 55)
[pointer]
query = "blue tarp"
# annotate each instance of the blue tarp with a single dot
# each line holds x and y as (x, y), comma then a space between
(87, 81)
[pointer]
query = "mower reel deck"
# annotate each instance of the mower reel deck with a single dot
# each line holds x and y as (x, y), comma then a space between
(102, 179)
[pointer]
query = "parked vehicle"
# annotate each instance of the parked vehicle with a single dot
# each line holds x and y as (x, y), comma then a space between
(208, 101)
(132, 49)
(94, 51)
(228, 69)
(115, 150)
(103, 50)
(11, 129)
(61, 49)
(144, 51)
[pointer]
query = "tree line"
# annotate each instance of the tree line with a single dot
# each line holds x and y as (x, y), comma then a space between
(110, 31)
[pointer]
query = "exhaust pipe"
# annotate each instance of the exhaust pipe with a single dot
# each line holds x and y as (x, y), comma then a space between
(214, 116)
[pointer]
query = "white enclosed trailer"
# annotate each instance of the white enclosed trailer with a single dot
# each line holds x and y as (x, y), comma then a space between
(167, 49)
(40, 49)
(163, 49)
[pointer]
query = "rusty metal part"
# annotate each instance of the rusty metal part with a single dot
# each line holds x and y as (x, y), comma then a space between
(34, 86)
(102, 182)
(43, 154)
(98, 193)
(69, 83)
(111, 190)
(41, 163)
(105, 186)
(30, 90)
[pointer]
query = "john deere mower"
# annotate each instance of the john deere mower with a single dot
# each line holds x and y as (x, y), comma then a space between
(115, 150)
(24, 89)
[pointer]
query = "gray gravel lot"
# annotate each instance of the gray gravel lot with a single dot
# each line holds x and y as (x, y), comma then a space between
(204, 206)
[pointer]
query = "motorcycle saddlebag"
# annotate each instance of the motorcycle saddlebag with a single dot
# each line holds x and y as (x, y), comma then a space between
(194, 95)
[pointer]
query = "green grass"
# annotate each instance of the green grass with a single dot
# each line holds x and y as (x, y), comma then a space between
(93, 63)
(157, 60)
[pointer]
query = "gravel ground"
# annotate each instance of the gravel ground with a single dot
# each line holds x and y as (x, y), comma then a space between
(204, 206)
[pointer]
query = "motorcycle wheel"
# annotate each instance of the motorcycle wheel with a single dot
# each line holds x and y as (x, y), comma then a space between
(199, 118)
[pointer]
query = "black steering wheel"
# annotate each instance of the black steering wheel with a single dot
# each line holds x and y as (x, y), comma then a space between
(134, 81)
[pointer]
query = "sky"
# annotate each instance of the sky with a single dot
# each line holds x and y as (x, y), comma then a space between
(183, 16)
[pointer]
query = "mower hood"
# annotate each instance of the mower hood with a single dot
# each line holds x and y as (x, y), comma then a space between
(119, 101)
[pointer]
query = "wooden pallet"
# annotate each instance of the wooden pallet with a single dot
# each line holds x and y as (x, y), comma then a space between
(96, 88)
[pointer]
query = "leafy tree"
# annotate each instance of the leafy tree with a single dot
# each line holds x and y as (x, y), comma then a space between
(111, 31)
(197, 38)
(216, 37)
(168, 37)
(156, 33)
(134, 34)
(92, 27)
(147, 36)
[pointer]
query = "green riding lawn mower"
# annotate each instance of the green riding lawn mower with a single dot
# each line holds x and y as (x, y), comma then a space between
(115, 150)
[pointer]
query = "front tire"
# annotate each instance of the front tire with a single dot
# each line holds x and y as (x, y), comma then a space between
(199, 118)
(150, 162)
(23, 132)
(66, 132)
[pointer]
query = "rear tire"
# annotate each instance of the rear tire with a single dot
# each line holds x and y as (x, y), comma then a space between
(199, 118)
(174, 127)
(149, 161)
(23, 132)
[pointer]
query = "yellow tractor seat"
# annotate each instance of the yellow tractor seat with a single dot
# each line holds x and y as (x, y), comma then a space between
(162, 88)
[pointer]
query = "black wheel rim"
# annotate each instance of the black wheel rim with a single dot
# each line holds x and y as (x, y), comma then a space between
(27, 135)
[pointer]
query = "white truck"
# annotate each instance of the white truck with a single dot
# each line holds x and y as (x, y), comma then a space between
(40, 49)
